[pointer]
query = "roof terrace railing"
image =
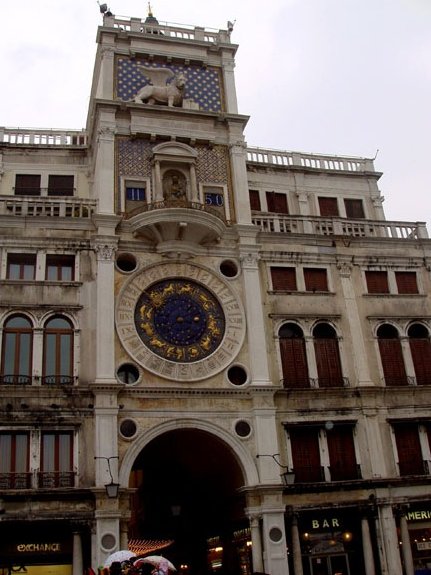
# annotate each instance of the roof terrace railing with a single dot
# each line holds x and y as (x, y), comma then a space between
(42, 137)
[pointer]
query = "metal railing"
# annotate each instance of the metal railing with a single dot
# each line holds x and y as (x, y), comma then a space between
(169, 204)
(22, 480)
(56, 479)
(15, 379)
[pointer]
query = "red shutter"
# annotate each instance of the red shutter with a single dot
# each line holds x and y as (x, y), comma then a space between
(342, 453)
(328, 362)
(354, 209)
(294, 362)
(406, 282)
(377, 282)
(328, 207)
(409, 450)
(283, 279)
(254, 200)
(305, 454)
(392, 362)
(315, 279)
(60, 185)
(421, 355)
(277, 202)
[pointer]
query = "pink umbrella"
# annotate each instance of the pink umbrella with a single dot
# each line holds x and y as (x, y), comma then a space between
(158, 561)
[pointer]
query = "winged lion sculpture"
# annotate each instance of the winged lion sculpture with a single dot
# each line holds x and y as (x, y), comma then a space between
(159, 90)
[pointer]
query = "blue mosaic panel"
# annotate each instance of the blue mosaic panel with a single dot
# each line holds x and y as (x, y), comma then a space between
(202, 85)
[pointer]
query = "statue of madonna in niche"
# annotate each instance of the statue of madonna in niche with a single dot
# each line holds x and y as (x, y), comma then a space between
(174, 186)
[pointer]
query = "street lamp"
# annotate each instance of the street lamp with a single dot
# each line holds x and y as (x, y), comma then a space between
(288, 477)
(111, 488)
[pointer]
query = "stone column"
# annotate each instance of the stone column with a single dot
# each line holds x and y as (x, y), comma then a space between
(105, 86)
(256, 544)
(407, 549)
(254, 314)
(296, 546)
(158, 188)
(229, 84)
(359, 356)
(104, 163)
(408, 359)
(367, 548)
(240, 182)
(193, 183)
(274, 536)
(77, 563)
(390, 541)
(311, 360)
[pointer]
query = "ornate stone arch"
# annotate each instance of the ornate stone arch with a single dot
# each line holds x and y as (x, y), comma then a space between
(244, 458)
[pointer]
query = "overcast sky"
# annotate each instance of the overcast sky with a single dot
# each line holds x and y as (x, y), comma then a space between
(343, 77)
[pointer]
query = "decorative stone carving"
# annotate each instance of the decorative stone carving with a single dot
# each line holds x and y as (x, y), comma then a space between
(105, 252)
(159, 91)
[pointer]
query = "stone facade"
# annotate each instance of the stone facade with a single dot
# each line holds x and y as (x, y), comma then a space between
(235, 336)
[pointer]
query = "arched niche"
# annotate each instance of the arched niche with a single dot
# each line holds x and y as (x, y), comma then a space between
(175, 172)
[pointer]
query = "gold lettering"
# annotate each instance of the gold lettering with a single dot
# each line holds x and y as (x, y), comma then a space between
(315, 524)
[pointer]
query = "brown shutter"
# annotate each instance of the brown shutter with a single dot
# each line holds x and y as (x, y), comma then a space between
(27, 184)
(277, 202)
(315, 279)
(60, 185)
(283, 279)
(354, 209)
(406, 282)
(294, 362)
(409, 450)
(328, 362)
(421, 355)
(342, 453)
(377, 282)
(392, 362)
(305, 454)
(254, 200)
(328, 207)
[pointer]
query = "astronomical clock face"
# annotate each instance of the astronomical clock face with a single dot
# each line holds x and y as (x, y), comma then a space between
(180, 321)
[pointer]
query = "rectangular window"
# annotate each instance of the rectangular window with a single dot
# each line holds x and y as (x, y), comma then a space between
(283, 279)
(277, 202)
(254, 200)
(305, 449)
(328, 207)
(27, 185)
(354, 209)
(14, 461)
(60, 185)
(21, 266)
(56, 460)
(342, 456)
(377, 282)
(60, 268)
(406, 282)
(135, 194)
(410, 459)
(315, 279)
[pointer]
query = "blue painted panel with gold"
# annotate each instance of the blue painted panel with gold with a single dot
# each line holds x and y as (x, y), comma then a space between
(202, 84)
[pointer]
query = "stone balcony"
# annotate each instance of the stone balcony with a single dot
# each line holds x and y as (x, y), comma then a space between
(30, 206)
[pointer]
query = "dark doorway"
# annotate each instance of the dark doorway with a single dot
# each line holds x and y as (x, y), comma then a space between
(187, 491)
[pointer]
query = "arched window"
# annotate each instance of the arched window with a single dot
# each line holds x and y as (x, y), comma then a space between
(328, 361)
(420, 347)
(391, 355)
(17, 350)
(293, 356)
(58, 352)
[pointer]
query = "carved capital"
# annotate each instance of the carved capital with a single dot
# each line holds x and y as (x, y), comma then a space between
(345, 269)
(249, 260)
(108, 53)
(105, 252)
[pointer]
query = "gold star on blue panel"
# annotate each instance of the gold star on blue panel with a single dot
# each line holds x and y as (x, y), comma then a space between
(202, 84)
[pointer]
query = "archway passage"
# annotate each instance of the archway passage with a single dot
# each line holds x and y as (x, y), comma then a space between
(187, 490)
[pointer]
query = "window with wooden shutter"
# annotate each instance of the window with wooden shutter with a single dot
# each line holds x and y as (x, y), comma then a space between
(420, 347)
(60, 185)
(406, 282)
(328, 207)
(410, 457)
(327, 353)
(342, 456)
(14, 461)
(293, 357)
(277, 202)
(391, 355)
(27, 185)
(377, 282)
(354, 209)
(283, 279)
(304, 443)
(254, 200)
(315, 279)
